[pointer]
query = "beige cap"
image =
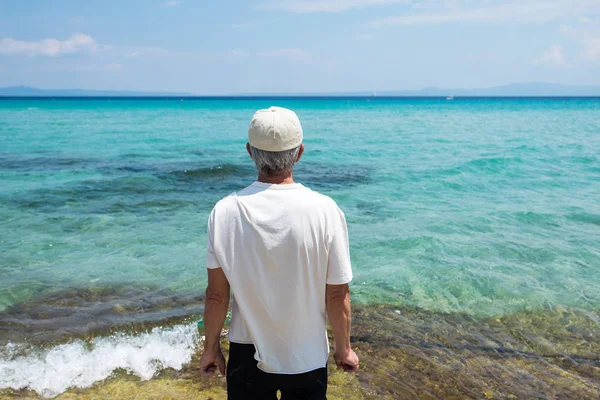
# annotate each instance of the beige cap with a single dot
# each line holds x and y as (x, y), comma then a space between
(275, 129)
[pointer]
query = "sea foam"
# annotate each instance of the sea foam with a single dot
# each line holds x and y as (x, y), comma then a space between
(79, 364)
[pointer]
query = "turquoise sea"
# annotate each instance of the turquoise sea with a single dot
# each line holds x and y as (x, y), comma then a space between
(484, 208)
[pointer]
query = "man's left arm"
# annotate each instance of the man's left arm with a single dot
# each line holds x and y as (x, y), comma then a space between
(215, 311)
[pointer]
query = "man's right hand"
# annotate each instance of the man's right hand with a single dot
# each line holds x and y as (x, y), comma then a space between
(346, 360)
(212, 361)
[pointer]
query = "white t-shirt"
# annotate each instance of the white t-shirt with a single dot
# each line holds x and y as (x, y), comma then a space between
(279, 245)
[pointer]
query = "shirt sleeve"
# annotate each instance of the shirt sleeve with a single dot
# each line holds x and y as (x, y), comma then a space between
(339, 267)
(211, 257)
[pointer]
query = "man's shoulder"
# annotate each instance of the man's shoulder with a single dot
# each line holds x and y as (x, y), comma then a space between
(322, 201)
(225, 203)
(320, 197)
(229, 202)
(308, 197)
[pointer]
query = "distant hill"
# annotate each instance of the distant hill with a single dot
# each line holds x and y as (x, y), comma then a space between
(532, 89)
(26, 91)
(514, 89)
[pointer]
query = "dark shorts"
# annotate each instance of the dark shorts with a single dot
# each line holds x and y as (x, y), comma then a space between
(246, 382)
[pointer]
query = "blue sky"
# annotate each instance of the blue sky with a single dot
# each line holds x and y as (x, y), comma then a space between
(229, 46)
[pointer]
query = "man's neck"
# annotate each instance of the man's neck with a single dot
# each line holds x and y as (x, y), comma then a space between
(277, 179)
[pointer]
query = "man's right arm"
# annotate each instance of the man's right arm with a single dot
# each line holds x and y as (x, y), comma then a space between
(338, 310)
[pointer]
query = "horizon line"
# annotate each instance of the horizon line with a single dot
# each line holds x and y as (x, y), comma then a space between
(296, 96)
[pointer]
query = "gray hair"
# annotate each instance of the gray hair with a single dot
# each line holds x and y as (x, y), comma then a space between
(273, 163)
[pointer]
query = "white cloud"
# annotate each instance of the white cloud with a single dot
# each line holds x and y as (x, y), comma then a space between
(135, 54)
(553, 57)
(172, 3)
(244, 25)
(296, 54)
(585, 37)
(89, 68)
(592, 48)
(324, 6)
(78, 43)
(113, 67)
(239, 53)
(565, 29)
(523, 11)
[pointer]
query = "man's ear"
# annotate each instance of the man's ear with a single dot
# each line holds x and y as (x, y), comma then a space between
(300, 152)
(248, 149)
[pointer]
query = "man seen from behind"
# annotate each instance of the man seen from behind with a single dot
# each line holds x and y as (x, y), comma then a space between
(282, 249)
